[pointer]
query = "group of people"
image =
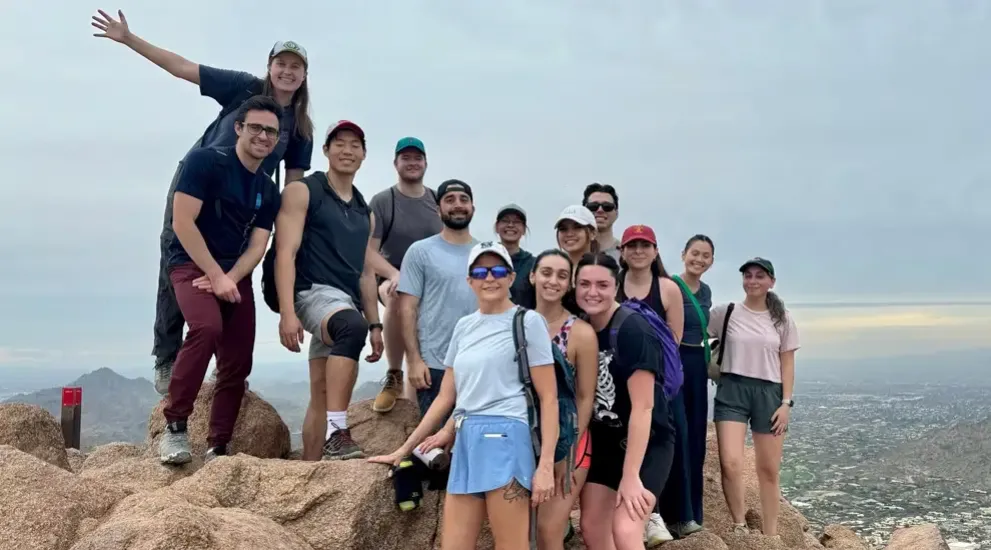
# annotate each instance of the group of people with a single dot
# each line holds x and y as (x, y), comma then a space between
(451, 303)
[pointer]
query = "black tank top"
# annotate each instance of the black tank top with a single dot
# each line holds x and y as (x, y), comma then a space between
(332, 251)
(653, 298)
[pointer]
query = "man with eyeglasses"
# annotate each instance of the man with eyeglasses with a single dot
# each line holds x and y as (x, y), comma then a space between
(603, 201)
(223, 211)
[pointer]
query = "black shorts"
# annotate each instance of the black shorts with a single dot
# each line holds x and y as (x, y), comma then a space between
(610, 452)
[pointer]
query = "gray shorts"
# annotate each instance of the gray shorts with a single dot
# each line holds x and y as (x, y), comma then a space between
(315, 305)
(744, 399)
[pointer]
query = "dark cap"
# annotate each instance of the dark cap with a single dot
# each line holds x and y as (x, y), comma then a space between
(451, 186)
(766, 265)
(336, 127)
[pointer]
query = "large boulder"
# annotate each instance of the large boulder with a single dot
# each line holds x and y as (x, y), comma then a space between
(838, 537)
(381, 434)
(259, 431)
(34, 431)
(43, 505)
(105, 455)
(919, 537)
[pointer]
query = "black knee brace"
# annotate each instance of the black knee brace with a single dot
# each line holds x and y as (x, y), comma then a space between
(347, 329)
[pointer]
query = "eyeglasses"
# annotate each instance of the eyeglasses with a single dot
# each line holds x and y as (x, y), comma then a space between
(254, 129)
(497, 271)
(605, 206)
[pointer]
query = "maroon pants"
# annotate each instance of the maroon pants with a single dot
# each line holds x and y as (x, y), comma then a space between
(215, 327)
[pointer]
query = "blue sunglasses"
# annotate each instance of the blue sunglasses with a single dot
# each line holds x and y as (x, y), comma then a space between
(497, 271)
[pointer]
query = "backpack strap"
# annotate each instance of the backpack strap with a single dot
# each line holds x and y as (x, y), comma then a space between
(392, 218)
(722, 338)
(617, 321)
(523, 361)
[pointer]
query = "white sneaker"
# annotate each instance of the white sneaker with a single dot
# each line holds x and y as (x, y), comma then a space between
(656, 532)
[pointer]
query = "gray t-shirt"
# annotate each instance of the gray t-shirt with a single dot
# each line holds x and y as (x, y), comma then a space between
(415, 219)
(436, 272)
(486, 376)
(612, 251)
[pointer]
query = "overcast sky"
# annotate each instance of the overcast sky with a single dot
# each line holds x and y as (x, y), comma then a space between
(845, 140)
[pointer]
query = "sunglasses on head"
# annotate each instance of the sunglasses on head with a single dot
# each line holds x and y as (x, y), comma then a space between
(605, 206)
(497, 271)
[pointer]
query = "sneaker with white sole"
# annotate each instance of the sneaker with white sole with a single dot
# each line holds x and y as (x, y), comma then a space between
(163, 375)
(685, 528)
(174, 446)
(214, 452)
(655, 532)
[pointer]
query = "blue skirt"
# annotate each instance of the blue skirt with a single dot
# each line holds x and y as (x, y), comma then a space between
(489, 452)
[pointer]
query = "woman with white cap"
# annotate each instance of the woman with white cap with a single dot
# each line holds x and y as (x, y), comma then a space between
(511, 226)
(493, 471)
(285, 82)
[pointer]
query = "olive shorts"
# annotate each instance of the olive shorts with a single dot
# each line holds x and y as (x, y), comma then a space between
(747, 400)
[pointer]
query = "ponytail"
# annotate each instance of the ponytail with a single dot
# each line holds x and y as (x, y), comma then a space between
(776, 307)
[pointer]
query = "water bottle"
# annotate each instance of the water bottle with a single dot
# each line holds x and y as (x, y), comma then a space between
(408, 485)
(435, 459)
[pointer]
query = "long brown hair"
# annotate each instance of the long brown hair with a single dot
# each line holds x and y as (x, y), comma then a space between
(300, 105)
(776, 307)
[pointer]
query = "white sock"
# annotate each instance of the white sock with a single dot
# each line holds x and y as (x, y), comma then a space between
(336, 420)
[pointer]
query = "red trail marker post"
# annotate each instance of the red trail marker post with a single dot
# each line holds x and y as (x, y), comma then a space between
(72, 415)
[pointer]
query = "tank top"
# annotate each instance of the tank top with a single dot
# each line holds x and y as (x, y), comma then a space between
(653, 298)
(561, 338)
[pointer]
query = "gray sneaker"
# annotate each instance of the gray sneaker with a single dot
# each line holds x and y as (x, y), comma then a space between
(214, 452)
(340, 446)
(174, 448)
(683, 529)
(163, 375)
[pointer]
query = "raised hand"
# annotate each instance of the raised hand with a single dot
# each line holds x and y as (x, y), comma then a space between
(114, 30)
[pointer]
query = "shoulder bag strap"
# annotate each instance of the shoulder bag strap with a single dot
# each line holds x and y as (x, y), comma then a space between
(698, 309)
(722, 338)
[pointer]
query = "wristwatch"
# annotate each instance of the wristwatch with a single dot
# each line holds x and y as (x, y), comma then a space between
(789, 402)
(373, 326)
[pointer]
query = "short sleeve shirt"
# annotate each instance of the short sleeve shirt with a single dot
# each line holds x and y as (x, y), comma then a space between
(753, 343)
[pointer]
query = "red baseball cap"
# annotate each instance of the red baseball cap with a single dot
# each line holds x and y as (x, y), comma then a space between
(344, 125)
(638, 233)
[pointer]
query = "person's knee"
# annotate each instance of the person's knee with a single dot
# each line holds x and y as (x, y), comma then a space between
(731, 464)
(348, 331)
(206, 330)
(626, 532)
(767, 472)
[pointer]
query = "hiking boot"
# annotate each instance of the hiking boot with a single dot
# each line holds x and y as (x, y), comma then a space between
(340, 446)
(740, 529)
(685, 528)
(392, 388)
(174, 447)
(569, 532)
(214, 452)
(655, 532)
(163, 375)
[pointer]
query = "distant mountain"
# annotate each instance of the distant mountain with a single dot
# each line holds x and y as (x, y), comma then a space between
(961, 451)
(115, 408)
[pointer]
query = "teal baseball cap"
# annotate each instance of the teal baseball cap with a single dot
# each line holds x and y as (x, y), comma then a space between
(410, 143)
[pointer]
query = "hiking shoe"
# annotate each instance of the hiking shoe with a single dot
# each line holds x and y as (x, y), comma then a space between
(163, 375)
(655, 531)
(174, 447)
(214, 452)
(340, 446)
(740, 529)
(685, 528)
(392, 388)
(569, 533)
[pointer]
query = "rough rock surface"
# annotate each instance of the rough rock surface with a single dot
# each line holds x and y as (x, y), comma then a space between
(838, 537)
(76, 459)
(259, 431)
(43, 505)
(34, 431)
(105, 455)
(919, 537)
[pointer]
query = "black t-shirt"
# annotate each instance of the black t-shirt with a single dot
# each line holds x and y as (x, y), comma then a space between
(637, 348)
(235, 201)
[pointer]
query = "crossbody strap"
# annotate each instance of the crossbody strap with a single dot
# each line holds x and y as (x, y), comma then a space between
(722, 338)
(698, 310)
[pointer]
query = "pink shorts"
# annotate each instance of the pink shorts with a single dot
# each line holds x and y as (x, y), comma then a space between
(583, 451)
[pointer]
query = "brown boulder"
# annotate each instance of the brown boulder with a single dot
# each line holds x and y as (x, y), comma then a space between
(164, 521)
(105, 455)
(43, 505)
(839, 537)
(381, 434)
(76, 459)
(919, 537)
(703, 540)
(135, 475)
(259, 431)
(34, 431)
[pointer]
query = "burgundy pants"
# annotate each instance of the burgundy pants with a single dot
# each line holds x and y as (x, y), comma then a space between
(219, 328)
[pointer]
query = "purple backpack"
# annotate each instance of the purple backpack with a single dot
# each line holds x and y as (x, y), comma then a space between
(674, 375)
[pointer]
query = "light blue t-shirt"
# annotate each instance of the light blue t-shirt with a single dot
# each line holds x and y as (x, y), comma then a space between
(436, 272)
(486, 376)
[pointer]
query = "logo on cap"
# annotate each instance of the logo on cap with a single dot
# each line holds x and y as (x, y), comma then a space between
(638, 229)
(290, 46)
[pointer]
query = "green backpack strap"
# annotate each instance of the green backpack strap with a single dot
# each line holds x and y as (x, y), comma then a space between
(698, 309)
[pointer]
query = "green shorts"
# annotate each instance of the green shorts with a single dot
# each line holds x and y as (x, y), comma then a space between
(747, 400)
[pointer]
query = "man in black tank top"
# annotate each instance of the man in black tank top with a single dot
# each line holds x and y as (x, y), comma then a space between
(325, 280)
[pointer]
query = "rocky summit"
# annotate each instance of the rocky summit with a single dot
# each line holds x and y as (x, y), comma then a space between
(118, 496)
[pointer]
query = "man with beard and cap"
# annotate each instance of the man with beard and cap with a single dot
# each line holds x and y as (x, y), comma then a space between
(407, 212)
(434, 291)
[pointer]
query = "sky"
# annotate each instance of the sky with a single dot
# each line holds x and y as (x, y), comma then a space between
(845, 140)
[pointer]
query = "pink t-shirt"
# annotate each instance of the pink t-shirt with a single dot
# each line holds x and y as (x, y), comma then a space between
(753, 343)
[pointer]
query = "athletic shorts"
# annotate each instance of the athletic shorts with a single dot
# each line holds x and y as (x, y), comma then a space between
(610, 452)
(583, 452)
(312, 307)
(489, 452)
(747, 400)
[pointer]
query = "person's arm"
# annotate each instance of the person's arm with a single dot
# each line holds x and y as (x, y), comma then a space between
(715, 325)
(586, 361)
(441, 406)
(185, 210)
(545, 384)
(298, 154)
(378, 264)
(674, 307)
(409, 306)
(289, 227)
(789, 345)
(259, 236)
(382, 266)
(640, 385)
(367, 285)
(173, 63)
(294, 174)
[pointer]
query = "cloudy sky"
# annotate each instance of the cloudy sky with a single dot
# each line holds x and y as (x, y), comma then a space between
(845, 140)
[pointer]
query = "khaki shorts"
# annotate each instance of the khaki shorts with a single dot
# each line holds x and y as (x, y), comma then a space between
(747, 400)
(313, 306)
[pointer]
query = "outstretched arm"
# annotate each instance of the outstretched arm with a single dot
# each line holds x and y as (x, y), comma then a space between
(118, 31)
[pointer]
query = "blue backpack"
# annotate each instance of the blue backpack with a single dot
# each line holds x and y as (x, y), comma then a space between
(674, 375)
(567, 406)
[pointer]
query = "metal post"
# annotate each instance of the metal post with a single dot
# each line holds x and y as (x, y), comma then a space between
(72, 414)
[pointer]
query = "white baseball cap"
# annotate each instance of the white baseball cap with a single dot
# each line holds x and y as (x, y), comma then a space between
(490, 247)
(578, 214)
